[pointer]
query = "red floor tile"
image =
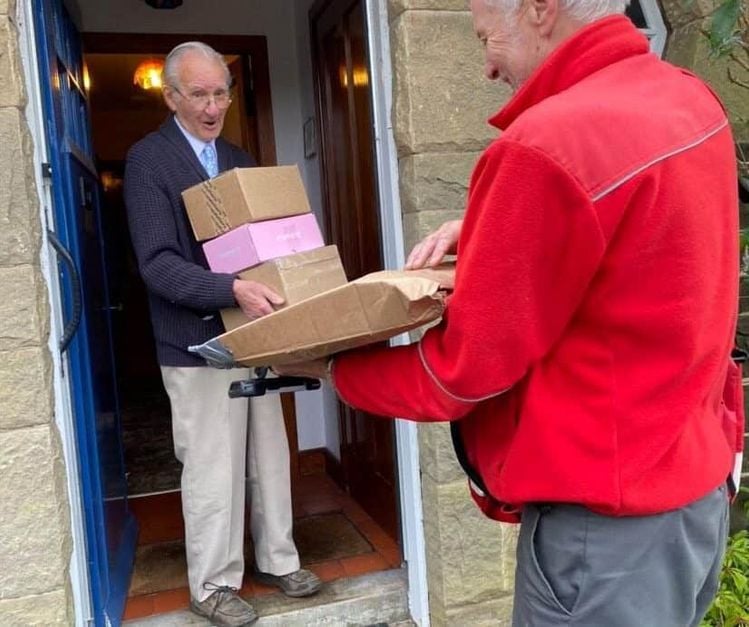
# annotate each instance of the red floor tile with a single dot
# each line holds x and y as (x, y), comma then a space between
(260, 590)
(160, 520)
(171, 600)
(328, 571)
(159, 517)
(323, 506)
(392, 556)
(138, 607)
(361, 564)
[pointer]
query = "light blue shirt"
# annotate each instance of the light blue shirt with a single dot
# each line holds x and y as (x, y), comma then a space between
(196, 144)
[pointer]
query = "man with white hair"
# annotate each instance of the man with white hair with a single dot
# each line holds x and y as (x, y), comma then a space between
(210, 430)
(584, 357)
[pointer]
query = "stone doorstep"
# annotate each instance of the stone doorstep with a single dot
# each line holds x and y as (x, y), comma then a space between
(370, 599)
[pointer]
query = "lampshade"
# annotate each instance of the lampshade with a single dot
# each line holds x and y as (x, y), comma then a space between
(148, 74)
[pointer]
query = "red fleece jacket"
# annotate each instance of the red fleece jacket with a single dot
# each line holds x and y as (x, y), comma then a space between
(585, 349)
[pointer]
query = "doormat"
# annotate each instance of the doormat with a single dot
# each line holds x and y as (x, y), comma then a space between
(328, 536)
(162, 566)
(148, 446)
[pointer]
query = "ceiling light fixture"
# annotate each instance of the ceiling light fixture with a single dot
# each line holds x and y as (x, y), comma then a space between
(164, 4)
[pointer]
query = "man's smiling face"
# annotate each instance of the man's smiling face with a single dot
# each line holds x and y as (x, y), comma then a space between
(199, 76)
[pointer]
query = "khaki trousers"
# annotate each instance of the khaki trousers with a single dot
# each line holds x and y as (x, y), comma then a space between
(210, 439)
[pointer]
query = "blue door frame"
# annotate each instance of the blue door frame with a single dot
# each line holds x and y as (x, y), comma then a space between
(110, 526)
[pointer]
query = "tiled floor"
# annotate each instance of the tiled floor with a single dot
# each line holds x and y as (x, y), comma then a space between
(160, 521)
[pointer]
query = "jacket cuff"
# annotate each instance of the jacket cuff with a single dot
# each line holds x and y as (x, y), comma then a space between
(224, 291)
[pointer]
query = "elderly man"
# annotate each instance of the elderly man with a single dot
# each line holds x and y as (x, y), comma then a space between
(184, 297)
(585, 353)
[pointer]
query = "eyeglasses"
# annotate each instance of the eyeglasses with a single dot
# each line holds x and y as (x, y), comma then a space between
(201, 99)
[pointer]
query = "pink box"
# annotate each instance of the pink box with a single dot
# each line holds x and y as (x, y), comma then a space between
(251, 244)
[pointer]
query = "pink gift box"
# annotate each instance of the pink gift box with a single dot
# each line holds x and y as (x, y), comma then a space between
(251, 244)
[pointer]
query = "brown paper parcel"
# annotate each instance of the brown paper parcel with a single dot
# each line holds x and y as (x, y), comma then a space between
(243, 195)
(375, 307)
(294, 277)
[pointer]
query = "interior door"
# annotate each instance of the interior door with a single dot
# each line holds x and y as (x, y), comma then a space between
(84, 284)
(352, 214)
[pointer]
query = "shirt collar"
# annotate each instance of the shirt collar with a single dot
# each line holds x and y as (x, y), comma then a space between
(196, 144)
(592, 48)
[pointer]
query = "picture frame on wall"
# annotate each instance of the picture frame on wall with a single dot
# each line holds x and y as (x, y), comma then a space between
(310, 140)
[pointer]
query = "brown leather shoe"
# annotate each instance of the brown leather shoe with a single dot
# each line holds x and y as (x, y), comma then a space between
(224, 608)
(301, 583)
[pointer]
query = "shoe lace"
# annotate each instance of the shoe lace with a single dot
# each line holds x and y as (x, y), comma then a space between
(221, 591)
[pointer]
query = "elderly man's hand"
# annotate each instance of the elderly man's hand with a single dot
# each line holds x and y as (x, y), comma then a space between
(316, 369)
(432, 249)
(255, 299)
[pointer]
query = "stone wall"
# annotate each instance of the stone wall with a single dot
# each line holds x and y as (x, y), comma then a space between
(441, 104)
(35, 536)
(688, 47)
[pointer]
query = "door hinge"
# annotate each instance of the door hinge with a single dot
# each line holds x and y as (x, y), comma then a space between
(46, 170)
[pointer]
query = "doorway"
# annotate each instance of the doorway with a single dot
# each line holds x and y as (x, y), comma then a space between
(121, 114)
(335, 536)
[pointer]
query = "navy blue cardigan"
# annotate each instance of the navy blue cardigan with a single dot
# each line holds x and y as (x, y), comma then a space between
(184, 296)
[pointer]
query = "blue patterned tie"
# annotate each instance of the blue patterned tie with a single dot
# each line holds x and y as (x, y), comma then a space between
(209, 161)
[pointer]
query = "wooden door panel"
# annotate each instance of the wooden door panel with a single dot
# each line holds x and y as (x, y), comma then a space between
(352, 223)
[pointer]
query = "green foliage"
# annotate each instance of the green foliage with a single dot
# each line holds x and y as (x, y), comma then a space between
(731, 605)
(725, 29)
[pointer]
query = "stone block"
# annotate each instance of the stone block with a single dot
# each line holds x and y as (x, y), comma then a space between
(419, 224)
(678, 13)
(34, 521)
(437, 455)
(7, 7)
(19, 204)
(494, 613)
(688, 47)
(396, 7)
(42, 610)
(25, 388)
(24, 319)
(441, 97)
(470, 559)
(12, 92)
(435, 181)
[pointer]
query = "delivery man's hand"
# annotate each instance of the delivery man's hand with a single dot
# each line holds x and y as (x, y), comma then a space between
(255, 299)
(432, 249)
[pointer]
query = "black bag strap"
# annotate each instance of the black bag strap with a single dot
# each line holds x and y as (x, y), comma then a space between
(460, 453)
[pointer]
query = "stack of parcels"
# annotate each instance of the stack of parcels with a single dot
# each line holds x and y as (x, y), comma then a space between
(262, 229)
(258, 225)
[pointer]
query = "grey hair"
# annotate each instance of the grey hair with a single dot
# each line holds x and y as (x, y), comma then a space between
(171, 64)
(584, 11)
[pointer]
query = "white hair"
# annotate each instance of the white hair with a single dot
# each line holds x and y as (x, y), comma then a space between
(170, 73)
(584, 11)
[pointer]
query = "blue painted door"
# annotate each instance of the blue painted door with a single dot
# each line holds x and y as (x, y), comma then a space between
(84, 283)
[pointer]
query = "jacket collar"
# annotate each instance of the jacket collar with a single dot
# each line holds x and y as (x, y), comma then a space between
(592, 48)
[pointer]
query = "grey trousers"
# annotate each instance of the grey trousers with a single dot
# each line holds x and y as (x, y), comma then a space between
(575, 567)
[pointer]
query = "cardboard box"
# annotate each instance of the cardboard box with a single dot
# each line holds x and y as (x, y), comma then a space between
(251, 244)
(296, 278)
(244, 195)
(371, 309)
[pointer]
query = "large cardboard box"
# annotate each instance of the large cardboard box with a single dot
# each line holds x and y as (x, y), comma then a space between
(371, 309)
(251, 244)
(296, 278)
(244, 195)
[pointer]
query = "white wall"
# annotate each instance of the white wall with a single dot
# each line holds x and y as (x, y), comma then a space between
(284, 24)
